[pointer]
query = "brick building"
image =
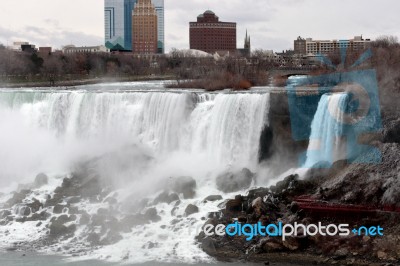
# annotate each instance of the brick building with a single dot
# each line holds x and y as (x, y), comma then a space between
(144, 28)
(210, 35)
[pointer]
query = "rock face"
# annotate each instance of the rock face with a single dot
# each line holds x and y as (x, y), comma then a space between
(185, 185)
(392, 132)
(232, 182)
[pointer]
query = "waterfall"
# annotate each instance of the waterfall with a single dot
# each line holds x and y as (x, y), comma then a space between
(143, 137)
(43, 126)
(326, 143)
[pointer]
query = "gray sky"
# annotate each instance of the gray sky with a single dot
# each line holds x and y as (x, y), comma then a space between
(272, 24)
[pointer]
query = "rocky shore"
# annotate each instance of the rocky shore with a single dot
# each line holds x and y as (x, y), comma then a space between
(355, 194)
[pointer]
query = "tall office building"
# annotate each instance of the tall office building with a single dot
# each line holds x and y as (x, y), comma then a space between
(159, 5)
(128, 9)
(210, 35)
(144, 28)
(118, 24)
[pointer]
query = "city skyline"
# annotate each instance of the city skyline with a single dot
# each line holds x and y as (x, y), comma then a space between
(272, 24)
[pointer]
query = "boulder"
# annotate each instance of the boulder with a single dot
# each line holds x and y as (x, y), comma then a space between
(213, 198)
(166, 197)
(40, 180)
(258, 192)
(151, 215)
(209, 245)
(185, 185)
(57, 227)
(35, 205)
(288, 182)
(57, 230)
(17, 198)
(291, 243)
(132, 220)
(235, 205)
(259, 207)
(232, 182)
(58, 208)
(42, 216)
(4, 213)
(191, 209)
(26, 211)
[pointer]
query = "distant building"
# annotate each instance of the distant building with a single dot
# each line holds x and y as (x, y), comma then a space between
(17, 45)
(210, 35)
(159, 5)
(71, 49)
(313, 47)
(246, 51)
(144, 28)
(300, 46)
(44, 51)
(118, 24)
(28, 48)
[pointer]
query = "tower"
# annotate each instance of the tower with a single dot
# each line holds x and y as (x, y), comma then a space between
(144, 28)
(118, 24)
(159, 5)
(247, 44)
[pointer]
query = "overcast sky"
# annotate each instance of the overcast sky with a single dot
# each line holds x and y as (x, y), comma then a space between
(272, 24)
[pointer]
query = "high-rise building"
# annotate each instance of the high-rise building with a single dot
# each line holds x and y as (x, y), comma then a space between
(118, 24)
(210, 35)
(144, 28)
(128, 8)
(159, 5)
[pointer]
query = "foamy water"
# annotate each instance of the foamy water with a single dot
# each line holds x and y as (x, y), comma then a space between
(188, 133)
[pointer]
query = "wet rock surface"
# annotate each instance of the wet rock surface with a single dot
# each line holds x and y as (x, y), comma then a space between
(234, 181)
(184, 185)
(213, 198)
(191, 209)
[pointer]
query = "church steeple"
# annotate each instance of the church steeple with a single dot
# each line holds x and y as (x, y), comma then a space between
(247, 44)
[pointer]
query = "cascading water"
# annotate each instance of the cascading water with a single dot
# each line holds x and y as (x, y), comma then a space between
(327, 130)
(224, 126)
(186, 133)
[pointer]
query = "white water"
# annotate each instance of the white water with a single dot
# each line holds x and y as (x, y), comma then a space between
(327, 130)
(187, 133)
